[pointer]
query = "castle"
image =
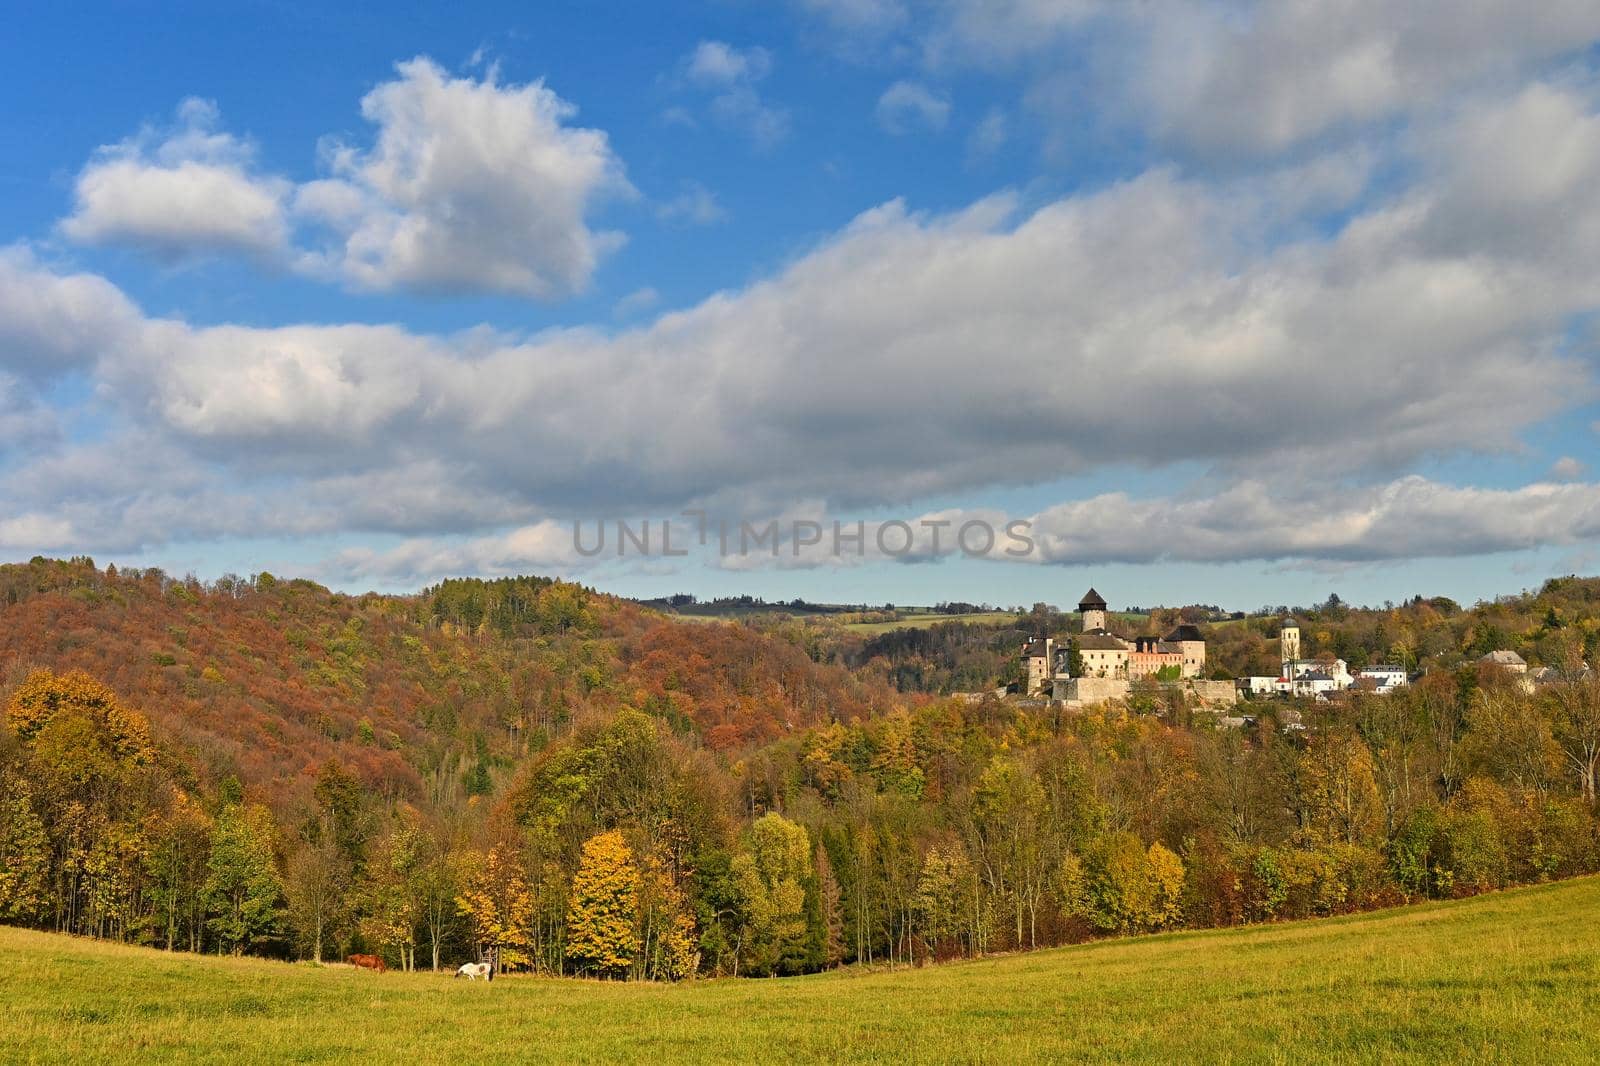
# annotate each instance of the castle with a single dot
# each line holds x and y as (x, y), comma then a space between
(1109, 665)
(1180, 655)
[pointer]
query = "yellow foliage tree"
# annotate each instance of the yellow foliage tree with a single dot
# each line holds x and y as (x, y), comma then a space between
(86, 759)
(770, 876)
(1166, 876)
(1342, 792)
(896, 761)
(24, 857)
(603, 916)
(1125, 886)
(823, 762)
(45, 697)
(668, 944)
(499, 906)
(945, 888)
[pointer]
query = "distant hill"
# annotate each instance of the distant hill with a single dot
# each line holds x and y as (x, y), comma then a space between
(859, 616)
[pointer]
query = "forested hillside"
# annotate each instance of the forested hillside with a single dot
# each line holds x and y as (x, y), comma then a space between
(265, 679)
(578, 786)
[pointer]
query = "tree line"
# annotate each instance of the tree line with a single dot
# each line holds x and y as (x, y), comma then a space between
(626, 848)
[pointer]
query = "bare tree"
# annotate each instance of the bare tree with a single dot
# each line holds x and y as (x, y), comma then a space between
(1573, 707)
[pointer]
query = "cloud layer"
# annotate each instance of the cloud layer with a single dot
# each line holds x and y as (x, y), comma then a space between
(1409, 518)
(1225, 78)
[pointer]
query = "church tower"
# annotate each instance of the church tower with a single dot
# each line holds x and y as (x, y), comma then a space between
(1289, 643)
(1092, 608)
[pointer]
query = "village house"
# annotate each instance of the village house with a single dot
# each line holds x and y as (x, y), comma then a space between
(1384, 677)
(1514, 665)
(1337, 671)
(1316, 683)
(1288, 655)
(1557, 675)
(1506, 660)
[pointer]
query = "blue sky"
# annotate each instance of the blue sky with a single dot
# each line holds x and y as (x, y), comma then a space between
(1232, 303)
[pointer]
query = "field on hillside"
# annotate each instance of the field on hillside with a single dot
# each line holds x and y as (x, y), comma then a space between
(1118, 620)
(1508, 977)
(908, 620)
(923, 621)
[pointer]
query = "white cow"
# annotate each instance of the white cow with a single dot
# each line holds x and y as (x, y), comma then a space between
(474, 970)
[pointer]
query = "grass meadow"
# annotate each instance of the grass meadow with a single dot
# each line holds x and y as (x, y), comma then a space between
(1510, 977)
(925, 621)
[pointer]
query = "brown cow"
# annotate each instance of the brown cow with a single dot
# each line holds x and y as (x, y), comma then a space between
(367, 962)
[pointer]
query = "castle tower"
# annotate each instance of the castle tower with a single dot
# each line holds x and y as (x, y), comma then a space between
(1289, 643)
(1092, 608)
(1038, 664)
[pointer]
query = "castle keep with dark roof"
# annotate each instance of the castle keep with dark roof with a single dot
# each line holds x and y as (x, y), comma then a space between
(1180, 654)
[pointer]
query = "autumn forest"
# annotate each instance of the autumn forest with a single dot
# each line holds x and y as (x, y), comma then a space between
(571, 783)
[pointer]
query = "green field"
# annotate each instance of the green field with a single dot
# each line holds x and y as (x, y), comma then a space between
(1512, 977)
(904, 621)
(1120, 621)
(923, 621)
(908, 619)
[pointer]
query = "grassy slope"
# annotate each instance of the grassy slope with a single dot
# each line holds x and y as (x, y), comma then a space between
(905, 621)
(1509, 977)
(1119, 621)
(923, 621)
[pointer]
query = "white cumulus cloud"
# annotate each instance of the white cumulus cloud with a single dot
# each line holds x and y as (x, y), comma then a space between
(471, 186)
(186, 190)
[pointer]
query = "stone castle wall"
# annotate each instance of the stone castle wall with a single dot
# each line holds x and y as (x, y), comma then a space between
(1082, 691)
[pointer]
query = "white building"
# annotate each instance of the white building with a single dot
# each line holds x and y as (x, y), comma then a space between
(1312, 683)
(1297, 676)
(1288, 643)
(1384, 677)
(1337, 670)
